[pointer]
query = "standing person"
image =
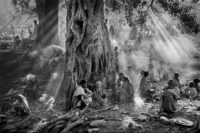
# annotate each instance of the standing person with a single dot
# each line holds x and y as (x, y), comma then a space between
(16, 42)
(35, 32)
(144, 87)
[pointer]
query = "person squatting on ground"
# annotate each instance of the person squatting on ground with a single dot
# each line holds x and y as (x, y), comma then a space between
(168, 99)
(82, 96)
(191, 91)
(127, 91)
(21, 106)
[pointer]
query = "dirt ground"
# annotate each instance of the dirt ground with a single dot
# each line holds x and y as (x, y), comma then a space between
(144, 118)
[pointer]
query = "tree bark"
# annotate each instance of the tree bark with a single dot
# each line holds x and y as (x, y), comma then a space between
(88, 49)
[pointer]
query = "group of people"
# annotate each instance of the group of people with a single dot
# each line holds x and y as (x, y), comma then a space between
(116, 90)
(171, 93)
(175, 91)
(120, 90)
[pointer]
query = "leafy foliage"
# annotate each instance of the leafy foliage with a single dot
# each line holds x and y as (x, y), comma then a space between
(129, 6)
(174, 7)
(187, 19)
(23, 4)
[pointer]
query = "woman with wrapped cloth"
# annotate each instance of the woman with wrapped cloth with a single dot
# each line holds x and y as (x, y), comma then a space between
(169, 99)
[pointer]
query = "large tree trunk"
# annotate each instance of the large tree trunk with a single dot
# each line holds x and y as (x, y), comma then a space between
(48, 21)
(88, 47)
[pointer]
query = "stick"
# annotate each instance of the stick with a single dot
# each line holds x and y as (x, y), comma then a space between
(11, 95)
(72, 125)
(108, 108)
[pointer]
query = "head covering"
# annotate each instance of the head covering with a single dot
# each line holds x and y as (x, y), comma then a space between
(82, 82)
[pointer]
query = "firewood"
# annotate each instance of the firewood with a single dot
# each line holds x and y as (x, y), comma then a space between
(72, 125)
(108, 108)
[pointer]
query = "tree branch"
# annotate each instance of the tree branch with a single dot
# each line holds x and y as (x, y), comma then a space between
(151, 4)
(97, 6)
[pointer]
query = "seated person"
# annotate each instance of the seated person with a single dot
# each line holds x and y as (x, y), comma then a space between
(20, 106)
(126, 92)
(168, 99)
(192, 91)
(82, 96)
(120, 79)
(186, 91)
(32, 90)
(99, 95)
(99, 90)
(196, 85)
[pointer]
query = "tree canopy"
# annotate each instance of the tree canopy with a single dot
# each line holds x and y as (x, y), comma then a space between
(175, 8)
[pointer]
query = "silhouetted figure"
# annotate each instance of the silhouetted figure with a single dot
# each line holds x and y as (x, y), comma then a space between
(196, 85)
(177, 81)
(144, 87)
(126, 93)
(35, 32)
(192, 91)
(17, 42)
(20, 106)
(112, 32)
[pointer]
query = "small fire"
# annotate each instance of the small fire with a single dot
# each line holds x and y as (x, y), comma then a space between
(138, 101)
(48, 101)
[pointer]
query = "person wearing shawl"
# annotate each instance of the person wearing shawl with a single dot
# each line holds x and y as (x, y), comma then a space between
(99, 90)
(144, 86)
(177, 81)
(192, 91)
(82, 96)
(168, 99)
(21, 106)
(127, 90)
(120, 80)
(196, 85)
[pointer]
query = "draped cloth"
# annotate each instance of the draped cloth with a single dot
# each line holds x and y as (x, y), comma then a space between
(193, 93)
(126, 92)
(22, 105)
(168, 102)
(144, 88)
(80, 98)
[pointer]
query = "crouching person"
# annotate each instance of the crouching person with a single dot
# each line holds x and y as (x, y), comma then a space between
(21, 107)
(82, 96)
(169, 99)
(126, 93)
(192, 91)
(100, 98)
